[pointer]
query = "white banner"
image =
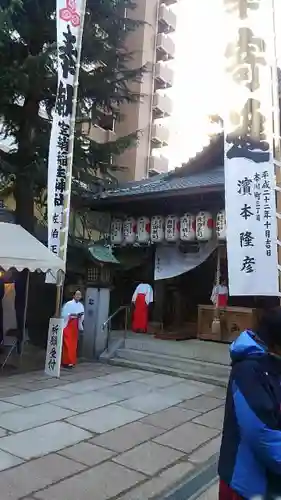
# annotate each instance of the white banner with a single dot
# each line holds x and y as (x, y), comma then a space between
(170, 262)
(54, 347)
(249, 168)
(70, 17)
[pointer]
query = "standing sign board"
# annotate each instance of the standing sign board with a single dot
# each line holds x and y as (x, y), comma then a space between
(249, 167)
(54, 347)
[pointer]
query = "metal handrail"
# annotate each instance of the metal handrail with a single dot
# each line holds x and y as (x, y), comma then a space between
(108, 321)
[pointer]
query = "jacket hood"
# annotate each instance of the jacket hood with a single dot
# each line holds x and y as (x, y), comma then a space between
(245, 346)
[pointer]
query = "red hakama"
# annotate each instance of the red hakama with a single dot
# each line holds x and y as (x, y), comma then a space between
(140, 316)
(70, 342)
(222, 300)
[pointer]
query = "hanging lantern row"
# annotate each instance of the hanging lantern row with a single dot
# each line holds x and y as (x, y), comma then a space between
(189, 227)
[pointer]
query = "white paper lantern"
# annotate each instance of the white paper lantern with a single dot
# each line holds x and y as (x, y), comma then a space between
(188, 227)
(116, 231)
(172, 228)
(204, 226)
(130, 230)
(221, 225)
(157, 231)
(143, 229)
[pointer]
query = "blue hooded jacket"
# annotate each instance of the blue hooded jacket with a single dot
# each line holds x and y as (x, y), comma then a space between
(250, 456)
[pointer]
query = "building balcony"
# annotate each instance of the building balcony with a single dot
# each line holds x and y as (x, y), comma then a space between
(159, 135)
(170, 2)
(164, 76)
(162, 105)
(167, 19)
(97, 134)
(158, 165)
(165, 47)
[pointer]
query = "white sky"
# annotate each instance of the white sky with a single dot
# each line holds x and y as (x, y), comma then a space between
(198, 65)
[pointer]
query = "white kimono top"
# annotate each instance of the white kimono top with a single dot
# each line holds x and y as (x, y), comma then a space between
(70, 308)
(146, 290)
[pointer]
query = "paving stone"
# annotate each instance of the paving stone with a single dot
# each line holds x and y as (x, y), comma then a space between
(201, 404)
(43, 440)
(212, 419)
(212, 493)
(170, 418)
(105, 419)
(100, 483)
(151, 402)
(40, 384)
(126, 390)
(7, 461)
(205, 452)
(87, 453)
(148, 458)
(218, 392)
(127, 437)
(37, 474)
(35, 416)
(183, 391)
(161, 380)
(7, 392)
(4, 407)
(187, 437)
(159, 484)
(124, 376)
(85, 386)
(86, 402)
(36, 397)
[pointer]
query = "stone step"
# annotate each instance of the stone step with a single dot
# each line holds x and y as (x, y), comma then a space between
(191, 349)
(186, 368)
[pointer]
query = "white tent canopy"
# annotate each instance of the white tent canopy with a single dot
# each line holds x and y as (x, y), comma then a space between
(20, 250)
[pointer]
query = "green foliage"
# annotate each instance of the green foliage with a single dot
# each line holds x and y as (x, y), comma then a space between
(28, 84)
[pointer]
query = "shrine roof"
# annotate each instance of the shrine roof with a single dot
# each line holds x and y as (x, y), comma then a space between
(203, 172)
(167, 183)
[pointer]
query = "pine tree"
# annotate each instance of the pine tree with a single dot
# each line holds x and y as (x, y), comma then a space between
(28, 83)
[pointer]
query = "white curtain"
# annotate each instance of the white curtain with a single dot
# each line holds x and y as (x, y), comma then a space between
(170, 262)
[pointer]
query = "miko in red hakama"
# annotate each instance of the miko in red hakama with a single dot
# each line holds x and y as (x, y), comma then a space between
(140, 316)
(143, 296)
(70, 343)
(73, 315)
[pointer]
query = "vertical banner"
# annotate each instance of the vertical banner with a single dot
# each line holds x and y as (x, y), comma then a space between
(70, 19)
(248, 149)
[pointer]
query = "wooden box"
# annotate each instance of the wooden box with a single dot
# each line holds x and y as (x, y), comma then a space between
(233, 321)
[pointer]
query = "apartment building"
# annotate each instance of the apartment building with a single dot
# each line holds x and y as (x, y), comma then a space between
(152, 45)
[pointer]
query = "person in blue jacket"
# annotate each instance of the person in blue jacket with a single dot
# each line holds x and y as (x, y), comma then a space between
(250, 455)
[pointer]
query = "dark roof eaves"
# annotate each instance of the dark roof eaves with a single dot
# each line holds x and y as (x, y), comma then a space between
(118, 200)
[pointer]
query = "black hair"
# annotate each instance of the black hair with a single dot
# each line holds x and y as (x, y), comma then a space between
(269, 328)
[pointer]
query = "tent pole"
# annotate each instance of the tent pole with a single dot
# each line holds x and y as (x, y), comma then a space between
(25, 310)
(59, 292)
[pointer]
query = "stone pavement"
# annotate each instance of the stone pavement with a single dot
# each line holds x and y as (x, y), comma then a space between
(103, 432)
(211, 493)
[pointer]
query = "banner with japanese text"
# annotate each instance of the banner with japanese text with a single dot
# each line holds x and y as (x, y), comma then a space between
(248, 149)
(70, 15)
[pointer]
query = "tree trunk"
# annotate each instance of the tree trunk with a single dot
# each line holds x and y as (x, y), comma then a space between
(24, 188)
(23, 193)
